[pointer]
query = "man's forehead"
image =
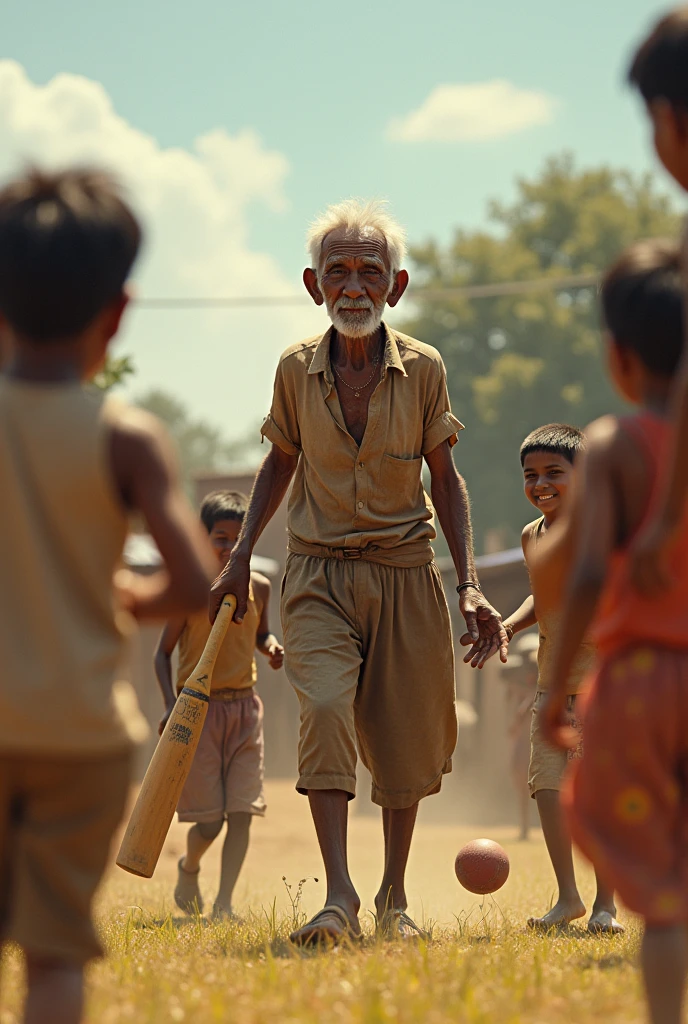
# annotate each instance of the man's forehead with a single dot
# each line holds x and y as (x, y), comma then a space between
(364, 244)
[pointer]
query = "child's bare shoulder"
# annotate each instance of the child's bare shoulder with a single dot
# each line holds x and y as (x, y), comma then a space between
(261, 586)
(528, 535)
(603, 435)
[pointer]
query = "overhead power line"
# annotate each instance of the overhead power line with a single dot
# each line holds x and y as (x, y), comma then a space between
(474, 291)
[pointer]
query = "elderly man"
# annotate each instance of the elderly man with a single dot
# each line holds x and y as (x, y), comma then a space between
(367, 635)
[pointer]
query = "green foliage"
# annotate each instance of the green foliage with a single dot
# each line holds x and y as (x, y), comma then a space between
(515, 362)
(114, 372)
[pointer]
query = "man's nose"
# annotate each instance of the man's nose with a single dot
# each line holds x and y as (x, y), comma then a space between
(353, 288)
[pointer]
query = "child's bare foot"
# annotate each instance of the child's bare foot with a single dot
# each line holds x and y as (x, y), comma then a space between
(224, 912)
(187, 894)
(603, 922)
(562, 913)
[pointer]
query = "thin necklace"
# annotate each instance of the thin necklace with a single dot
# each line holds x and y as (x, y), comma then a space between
(359, 387)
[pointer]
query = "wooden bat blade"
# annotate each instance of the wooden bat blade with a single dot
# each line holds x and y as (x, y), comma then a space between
(172, 759)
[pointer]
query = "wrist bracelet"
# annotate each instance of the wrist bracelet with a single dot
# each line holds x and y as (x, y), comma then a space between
(468, 583)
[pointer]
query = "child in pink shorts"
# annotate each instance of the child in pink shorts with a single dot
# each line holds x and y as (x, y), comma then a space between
(226, 778)
(627, 799)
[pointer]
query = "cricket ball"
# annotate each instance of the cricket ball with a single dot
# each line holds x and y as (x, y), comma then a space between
(482, 866)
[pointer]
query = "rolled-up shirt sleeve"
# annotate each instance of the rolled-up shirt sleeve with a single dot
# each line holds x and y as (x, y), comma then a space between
(439, 422)
(281, 425)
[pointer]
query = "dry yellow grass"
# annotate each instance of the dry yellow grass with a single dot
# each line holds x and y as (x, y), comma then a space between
(481, 965)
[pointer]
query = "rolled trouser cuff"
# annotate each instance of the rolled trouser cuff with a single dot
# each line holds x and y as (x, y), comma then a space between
(347, 783)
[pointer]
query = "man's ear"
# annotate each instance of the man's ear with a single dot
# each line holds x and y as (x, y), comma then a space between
(310, 279)
(400, 285)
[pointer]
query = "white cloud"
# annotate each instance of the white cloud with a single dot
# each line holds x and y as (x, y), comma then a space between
(468, 113)
(195, 205)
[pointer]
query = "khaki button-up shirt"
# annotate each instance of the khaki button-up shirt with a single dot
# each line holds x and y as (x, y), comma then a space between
(349, 501)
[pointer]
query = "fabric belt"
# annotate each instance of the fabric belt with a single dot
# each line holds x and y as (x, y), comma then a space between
(227, 694)
(402, 557)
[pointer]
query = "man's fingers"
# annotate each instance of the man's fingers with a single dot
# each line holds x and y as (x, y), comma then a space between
(241, 606)
(214, 602)
(466, 640)
(472, 624)
(489, 649)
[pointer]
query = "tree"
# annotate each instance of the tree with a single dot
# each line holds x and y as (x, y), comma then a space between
(515, 362)
(114, 372)
(201, 447)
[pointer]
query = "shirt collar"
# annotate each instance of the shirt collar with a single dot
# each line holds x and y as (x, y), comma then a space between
(320, 363)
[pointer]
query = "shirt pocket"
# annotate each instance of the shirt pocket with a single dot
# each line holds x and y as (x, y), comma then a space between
(401, 490)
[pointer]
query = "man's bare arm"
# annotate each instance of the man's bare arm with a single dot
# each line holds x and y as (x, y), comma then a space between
(145, 471)
(450, 500)
(269, 489)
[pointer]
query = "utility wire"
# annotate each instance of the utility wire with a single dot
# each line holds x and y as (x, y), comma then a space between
(475, 291)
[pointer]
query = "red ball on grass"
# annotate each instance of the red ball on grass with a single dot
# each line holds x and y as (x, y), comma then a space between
(482, 866)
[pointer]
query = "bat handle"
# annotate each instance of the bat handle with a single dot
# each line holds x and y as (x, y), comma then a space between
(224, 616)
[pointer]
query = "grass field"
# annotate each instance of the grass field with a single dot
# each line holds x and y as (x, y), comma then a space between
(480, 966)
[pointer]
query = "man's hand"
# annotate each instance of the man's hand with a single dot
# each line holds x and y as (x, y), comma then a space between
(486, 631)
(553, 724)
(164, 720)
(649, 563)
(275, 653)
(234, 579)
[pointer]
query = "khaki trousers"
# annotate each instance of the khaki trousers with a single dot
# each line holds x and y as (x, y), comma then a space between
(368, 650)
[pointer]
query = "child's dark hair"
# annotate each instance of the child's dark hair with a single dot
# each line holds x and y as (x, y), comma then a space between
(660, 67)
(223, 505)
(642, 304)
(558, 438)
(67, 244)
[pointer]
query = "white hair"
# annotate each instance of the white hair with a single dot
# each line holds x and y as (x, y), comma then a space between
(358, 217)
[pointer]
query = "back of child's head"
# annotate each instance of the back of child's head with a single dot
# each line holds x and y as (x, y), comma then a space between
(660, 67)
(222, 505)
(67, 244)
(556, 438)
(642, 304)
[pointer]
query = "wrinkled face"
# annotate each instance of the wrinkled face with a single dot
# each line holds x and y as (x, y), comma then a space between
(355, 279)
(671, 139)
(546, 478)
(223, 537)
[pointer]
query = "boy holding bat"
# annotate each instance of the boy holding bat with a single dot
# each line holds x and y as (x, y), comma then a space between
(73, 465)
(226, 777)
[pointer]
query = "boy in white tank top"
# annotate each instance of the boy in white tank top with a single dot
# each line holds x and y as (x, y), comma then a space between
(226, 777)
(74, 465)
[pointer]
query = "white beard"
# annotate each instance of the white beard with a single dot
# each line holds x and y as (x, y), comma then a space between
(355, 325)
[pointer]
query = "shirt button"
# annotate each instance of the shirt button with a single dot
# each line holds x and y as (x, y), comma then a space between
(360, 504)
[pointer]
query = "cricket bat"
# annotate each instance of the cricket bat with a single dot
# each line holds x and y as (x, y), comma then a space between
(171, 762)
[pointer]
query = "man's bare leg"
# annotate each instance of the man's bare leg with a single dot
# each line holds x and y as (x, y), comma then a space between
(664, 959)
(569, 906)
(397, 826)
(233, 855)
(55, 993)
(330, 810)
(603, 916)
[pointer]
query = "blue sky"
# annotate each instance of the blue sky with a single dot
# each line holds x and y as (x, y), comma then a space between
(310, 91)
